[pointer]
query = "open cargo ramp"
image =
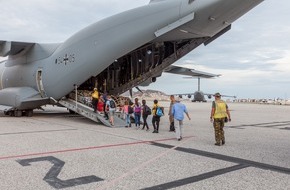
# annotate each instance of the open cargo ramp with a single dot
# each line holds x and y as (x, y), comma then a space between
(89, 113)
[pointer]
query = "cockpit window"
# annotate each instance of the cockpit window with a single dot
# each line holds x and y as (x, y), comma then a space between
(190, 1)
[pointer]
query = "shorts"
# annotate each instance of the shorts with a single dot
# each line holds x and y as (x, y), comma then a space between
(111, 113)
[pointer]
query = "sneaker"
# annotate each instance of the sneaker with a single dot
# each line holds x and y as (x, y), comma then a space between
(147, 129)
(154, 131)
(179, 139)
(217, 144)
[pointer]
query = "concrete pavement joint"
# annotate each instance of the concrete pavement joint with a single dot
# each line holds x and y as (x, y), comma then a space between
(32, 132)
(194, 179)
(140, 166)
(229, 159)
(263, 125)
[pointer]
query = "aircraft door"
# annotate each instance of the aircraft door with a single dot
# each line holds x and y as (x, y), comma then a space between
(2, 68)
(39, 83)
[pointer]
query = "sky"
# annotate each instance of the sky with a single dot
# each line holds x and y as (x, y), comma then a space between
(253, 58)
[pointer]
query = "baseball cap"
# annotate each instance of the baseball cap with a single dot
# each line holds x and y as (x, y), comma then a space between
(217, 94)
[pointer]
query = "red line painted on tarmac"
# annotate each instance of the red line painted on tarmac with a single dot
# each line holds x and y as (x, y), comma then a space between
(86, 148)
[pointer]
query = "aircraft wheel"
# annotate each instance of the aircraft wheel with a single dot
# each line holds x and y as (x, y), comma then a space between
(10, 113)
(17, 113)
(28, 113)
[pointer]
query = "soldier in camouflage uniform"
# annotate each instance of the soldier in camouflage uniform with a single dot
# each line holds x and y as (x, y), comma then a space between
(219, 113)
(171, 117)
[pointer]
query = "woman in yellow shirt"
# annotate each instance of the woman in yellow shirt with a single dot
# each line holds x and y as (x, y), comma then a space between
(95, 99)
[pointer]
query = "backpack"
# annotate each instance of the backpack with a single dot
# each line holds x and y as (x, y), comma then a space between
(137, 109)
(130, 110)
(159, 112)
(147, 110)
(112, 104)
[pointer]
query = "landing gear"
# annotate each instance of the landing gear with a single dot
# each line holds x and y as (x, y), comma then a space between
(19, 113)
(71, 112)
(28, 113)
(8, 113)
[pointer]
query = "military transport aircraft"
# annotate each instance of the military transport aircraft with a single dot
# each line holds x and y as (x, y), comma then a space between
(199, 96)
(116, 54)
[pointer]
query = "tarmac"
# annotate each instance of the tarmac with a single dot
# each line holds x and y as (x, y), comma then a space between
(57, 150)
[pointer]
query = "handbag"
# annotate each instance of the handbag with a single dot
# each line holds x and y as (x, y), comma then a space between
(226, 119)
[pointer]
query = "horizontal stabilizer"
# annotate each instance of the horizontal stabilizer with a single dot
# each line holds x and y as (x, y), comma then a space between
(14, 48)
(189, 72)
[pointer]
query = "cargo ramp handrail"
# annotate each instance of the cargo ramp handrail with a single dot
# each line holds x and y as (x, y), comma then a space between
(89, 113)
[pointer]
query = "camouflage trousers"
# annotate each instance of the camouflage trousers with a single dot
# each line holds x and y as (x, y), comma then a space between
(218, 125)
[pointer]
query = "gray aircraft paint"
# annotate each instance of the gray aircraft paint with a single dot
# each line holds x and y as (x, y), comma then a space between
(91, 50)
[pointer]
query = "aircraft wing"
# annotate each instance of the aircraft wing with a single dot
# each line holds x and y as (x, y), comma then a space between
(222, 95)
(202, 94)
(228, 96)
(181, 71)
(14, 48)
(189, 72)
